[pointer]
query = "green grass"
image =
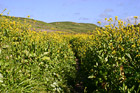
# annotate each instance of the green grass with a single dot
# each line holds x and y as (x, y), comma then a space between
(56, 26)
(74, 27)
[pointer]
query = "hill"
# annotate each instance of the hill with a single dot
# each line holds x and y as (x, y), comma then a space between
(55, 26)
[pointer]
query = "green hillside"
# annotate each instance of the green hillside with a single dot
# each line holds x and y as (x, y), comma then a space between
(55, 26)
(74, 27)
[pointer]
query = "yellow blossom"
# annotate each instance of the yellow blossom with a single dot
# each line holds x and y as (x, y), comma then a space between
(114, 52)
(136, 17)
(133, 46)
(116, 17)
(28, 16)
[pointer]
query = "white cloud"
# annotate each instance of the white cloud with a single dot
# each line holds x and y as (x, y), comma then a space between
(131, 20)
(77, 13)
(83, 18)
(121, 4)
(108, 10)
(105, 15)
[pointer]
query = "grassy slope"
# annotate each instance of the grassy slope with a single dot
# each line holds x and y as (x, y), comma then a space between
(56, 26)
(74, 27)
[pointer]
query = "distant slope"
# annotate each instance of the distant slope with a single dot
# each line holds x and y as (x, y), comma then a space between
(56, 26)
(74, 27)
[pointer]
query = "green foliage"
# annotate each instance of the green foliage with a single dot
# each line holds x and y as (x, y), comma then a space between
(33, 61)
(34, 65)
(109, 60)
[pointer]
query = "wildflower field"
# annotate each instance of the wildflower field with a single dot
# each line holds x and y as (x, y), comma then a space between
(42, 62)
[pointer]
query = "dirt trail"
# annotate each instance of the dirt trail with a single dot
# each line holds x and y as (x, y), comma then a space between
(79, 88)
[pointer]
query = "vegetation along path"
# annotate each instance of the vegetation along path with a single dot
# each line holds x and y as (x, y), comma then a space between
(106, 60)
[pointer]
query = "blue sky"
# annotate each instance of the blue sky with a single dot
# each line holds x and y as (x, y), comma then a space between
(81, 11)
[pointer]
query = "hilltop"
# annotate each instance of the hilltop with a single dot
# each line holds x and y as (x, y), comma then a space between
(55, 26)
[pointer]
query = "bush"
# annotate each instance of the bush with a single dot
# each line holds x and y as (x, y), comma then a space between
(109, 59)
(34, 62)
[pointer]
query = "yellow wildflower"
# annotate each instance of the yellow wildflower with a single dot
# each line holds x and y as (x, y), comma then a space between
(110, 19)
(116, 17)
(114, 52)
(133, 46)
(28, 16)
(99, 22)
(136, 17)
(138, 55)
